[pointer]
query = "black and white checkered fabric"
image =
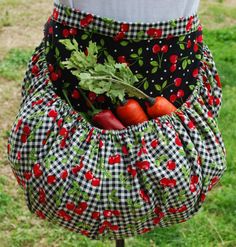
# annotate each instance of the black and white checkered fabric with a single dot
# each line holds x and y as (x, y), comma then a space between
(116, 183)
(111, 27)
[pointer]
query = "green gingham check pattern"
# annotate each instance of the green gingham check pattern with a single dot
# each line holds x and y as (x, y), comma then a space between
(49, 200)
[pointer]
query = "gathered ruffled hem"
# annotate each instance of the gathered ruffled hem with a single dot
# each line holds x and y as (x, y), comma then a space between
(164, 166)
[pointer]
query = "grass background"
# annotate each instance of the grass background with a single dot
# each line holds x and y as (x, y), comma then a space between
(21, 29)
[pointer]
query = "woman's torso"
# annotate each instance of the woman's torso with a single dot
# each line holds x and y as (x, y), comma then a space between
(136, 10)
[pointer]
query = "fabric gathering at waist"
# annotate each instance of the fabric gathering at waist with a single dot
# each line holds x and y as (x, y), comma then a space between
(124, 30)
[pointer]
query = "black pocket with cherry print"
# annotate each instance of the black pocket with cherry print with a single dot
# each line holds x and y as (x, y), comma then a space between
(166, 67)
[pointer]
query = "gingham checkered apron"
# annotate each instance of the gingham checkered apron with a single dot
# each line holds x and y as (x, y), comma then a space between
(116, 183)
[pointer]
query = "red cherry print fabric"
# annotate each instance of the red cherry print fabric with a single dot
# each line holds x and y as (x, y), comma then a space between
(107, 184)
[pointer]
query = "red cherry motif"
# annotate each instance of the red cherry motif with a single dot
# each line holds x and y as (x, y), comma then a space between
(37, 170)
(88, 139)
(40, 214)
(89, 175)
(85, 232)
(178, 210)
(131, 171)
(142, 150)
(124, 27)
(18, 155)
(55, 14)
(100, 143)
(23, 138)
(63, 143)
(53, 114)
(59, 122)
(77, 168)
(119, 36)
(122, 59)
(156, 48)
(107, 213)
(191, 124)
(38, 102)
(178, 141)
(73, 31)
(75, 94)
(180, 93)
(173, 68)
(117, 213)
(95, 215)
(8, 148)
(168, 182)
(154, 143)
(86, 20)
(124, 149)
(143, 165)
(27, 175)
(144, 230)
(35, 58)
(114, 159)
(54, 76)
(70, 206)
(20, 121)
(195, 73)
(65, 33)
(195, 47)
(173, 98)
(200, 38)
(114, 227)
(42, 196)
(61, 213)
(164, 48)
(154, 32)
(145, 197)
(51, 179)
(189, 43)
(171, 165)
(189, 24)
(178, 82)
(173, 58)
(217, 78)
(83, 205)
(35, 70)
(63, 132)
(64, 174)
(95, 182)
(202, 197)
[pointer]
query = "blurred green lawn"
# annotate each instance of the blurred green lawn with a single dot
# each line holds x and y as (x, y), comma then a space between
(215, 223)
